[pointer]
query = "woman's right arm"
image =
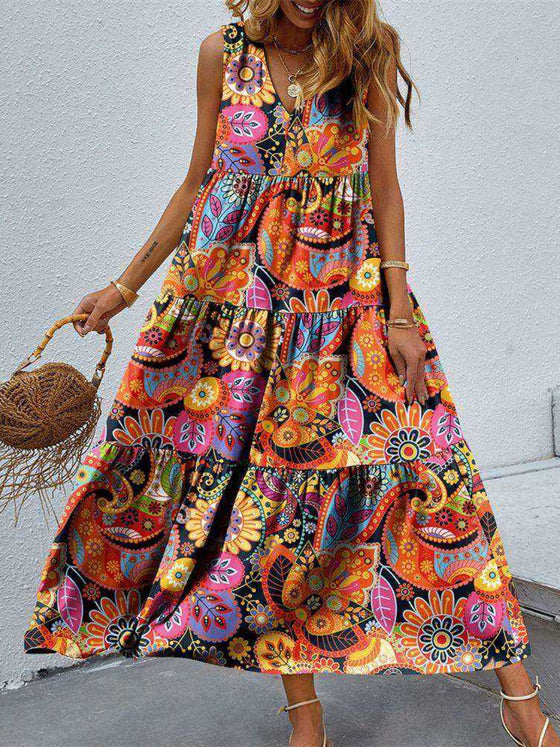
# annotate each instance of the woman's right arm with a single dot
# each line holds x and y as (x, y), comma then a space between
(104, 304)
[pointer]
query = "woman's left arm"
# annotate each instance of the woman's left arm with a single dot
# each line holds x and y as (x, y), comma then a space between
(406, 347)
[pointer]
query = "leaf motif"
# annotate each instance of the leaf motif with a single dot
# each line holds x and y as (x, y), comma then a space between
(358, 517)
(214, 616)
(331, 526)
(215, 205)
(70, 604)
(347, 533)
(245, 389)
(195, 436)
(233, 432)
(258, 295)
(269, 248)
(483, 618)
(224, 233)
(358, 360)
(329, 328)
(392, 549)
(79, 549)
(384, 604)
(206, 226)
(233, 217)
(488, 522)
(351, 416)
(445, 427)
(340, 505)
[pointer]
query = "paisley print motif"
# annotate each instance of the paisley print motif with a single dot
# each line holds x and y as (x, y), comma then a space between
(261, 495)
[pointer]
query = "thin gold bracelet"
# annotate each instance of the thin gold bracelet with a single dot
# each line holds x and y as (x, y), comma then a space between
(400, 323)
(394, 263)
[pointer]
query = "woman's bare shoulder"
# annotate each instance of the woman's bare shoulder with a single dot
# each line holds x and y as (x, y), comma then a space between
(212, 47)
(210, 65)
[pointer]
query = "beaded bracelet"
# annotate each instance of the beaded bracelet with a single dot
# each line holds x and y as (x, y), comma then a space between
(394, 263)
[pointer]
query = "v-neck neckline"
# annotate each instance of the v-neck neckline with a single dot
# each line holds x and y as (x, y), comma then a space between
(273, 84)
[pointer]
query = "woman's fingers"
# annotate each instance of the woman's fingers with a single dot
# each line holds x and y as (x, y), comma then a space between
(409, 358)
(411, 372)
(97, 320)
(420, 386)
(400, 365)
(80, 309)
(100, 306)
(416, 382)
(103, 323)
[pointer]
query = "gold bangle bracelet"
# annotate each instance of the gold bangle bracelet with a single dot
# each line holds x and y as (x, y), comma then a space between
(394, 263)
(129, 296)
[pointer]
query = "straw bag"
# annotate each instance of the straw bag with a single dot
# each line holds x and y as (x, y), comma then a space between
(47, 419)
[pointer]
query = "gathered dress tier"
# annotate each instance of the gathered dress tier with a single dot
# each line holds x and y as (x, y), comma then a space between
(262, 496)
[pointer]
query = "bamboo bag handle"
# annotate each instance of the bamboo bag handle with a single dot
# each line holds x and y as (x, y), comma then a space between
(99, 369)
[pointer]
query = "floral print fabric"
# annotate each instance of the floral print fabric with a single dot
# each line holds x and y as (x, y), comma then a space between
(262, 496)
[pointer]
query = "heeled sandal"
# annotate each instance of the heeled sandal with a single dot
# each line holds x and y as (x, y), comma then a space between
(285, 709)
(518, 698)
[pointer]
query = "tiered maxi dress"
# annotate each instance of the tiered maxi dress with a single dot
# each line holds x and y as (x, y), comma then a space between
(262, 496)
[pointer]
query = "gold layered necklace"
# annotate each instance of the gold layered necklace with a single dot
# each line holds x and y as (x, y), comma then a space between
(295, 91)
(289, 50)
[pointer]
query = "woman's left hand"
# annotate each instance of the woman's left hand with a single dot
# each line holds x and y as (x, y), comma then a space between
(408, 352)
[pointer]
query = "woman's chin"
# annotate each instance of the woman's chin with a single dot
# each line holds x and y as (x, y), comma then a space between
(297, 15)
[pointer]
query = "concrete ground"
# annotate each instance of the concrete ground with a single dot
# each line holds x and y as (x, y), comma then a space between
(151, 703)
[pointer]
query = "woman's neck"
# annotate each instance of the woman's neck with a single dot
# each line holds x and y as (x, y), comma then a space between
(291, 35)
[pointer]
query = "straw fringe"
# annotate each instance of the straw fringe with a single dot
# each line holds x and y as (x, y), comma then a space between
(47, 420)
(38, 472)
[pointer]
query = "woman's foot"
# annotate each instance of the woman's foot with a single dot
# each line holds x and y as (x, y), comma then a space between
(524, 717)
(525, 720)
(307, 725)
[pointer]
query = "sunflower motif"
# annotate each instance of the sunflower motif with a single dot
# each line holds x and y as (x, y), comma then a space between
(489, 580)
(434, 632)
(115, 625)
(243, 345)
(402, 436)
(244, 528)
(367, 278)
(238, 648)
(176, 577)
(360, 538)
(469, 657)
(150, 428)
(199, 520)
(245, 525)
(247, 80)
(205, 398)
(260, 618)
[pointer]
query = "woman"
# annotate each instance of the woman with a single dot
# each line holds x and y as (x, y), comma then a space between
(282, 484)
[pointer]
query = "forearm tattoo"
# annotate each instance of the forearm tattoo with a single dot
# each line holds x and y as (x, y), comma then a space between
(149, 251)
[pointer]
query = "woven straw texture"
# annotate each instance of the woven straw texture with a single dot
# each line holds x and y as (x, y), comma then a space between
(47, 418)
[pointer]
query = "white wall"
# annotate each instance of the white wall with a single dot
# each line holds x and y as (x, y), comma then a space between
(97, 119)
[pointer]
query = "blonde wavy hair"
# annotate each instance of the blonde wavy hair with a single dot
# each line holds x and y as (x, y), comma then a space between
(366, 48)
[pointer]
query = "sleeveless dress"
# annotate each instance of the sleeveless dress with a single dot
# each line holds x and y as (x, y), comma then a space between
(262, 496)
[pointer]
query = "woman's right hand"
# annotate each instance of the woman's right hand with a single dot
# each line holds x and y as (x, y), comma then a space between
(101, 306)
